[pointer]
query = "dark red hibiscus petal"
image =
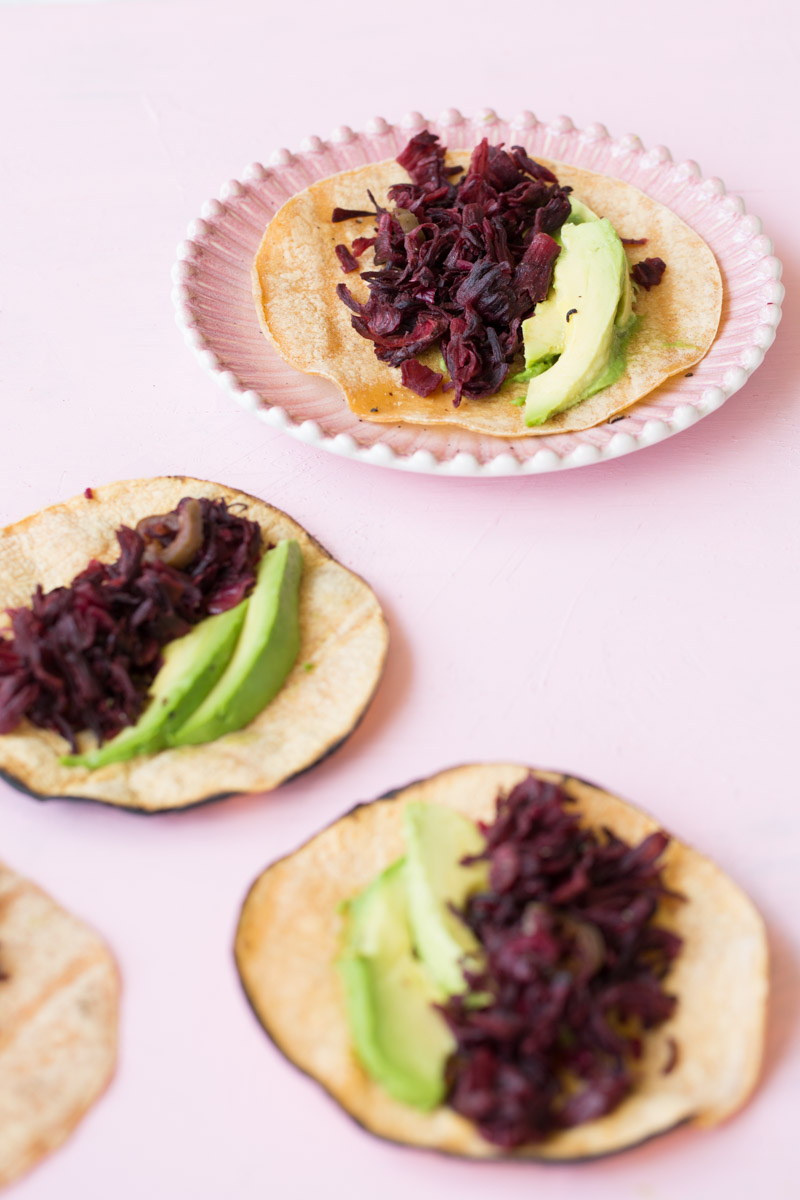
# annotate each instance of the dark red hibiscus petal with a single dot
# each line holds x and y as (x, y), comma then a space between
(83, 656)
(466, 264)
(419, 378)
(573, 971)
(648, 272)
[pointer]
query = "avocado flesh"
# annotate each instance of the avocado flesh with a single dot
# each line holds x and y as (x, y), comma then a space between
(400, 1039)
(544, 331)
(192, 666)
(580, 212)
(624, 318)
(264, 655)
(437, 838)
(590, 277)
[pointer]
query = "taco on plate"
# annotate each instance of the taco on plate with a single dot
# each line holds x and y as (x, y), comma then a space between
(484, 290)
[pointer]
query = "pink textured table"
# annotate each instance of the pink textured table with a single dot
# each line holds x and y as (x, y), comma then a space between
(633, 622)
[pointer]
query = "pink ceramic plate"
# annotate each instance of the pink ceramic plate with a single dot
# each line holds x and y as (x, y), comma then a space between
(216, 309)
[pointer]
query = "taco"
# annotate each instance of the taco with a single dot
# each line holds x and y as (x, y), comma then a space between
(442, 279)
(653, 966)
(59, 995)
(102, 590)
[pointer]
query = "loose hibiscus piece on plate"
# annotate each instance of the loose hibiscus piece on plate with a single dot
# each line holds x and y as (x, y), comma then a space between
(649, 272)
(419, 378)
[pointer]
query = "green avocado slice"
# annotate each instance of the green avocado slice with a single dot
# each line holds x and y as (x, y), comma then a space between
(264, 655)
(437, 838)
(580, 212)
(579, 320)
(192, 665)
(544, 332)
(398, 1036)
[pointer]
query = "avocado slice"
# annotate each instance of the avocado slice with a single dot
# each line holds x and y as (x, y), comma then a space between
(263, 657)
(437, 838)
(192, 666)
(589, 285)
(580, 212)
(625, 319)
(545, 330)
(401, 1040)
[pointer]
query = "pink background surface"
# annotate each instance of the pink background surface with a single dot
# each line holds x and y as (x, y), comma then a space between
(634, 622)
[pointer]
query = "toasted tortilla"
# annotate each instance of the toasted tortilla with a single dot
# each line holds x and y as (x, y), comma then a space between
(296, 272)
(289, 935)
(58, 1023)
(343, 641)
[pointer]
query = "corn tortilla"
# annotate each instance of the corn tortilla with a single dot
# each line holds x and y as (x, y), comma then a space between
(289, 933)
(58, 1023)
(296, 272)
(343, 641)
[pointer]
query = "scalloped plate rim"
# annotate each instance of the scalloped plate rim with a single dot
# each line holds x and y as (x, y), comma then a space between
(504, 463)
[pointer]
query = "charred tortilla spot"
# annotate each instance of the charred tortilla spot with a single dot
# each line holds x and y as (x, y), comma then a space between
(672, 1056)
